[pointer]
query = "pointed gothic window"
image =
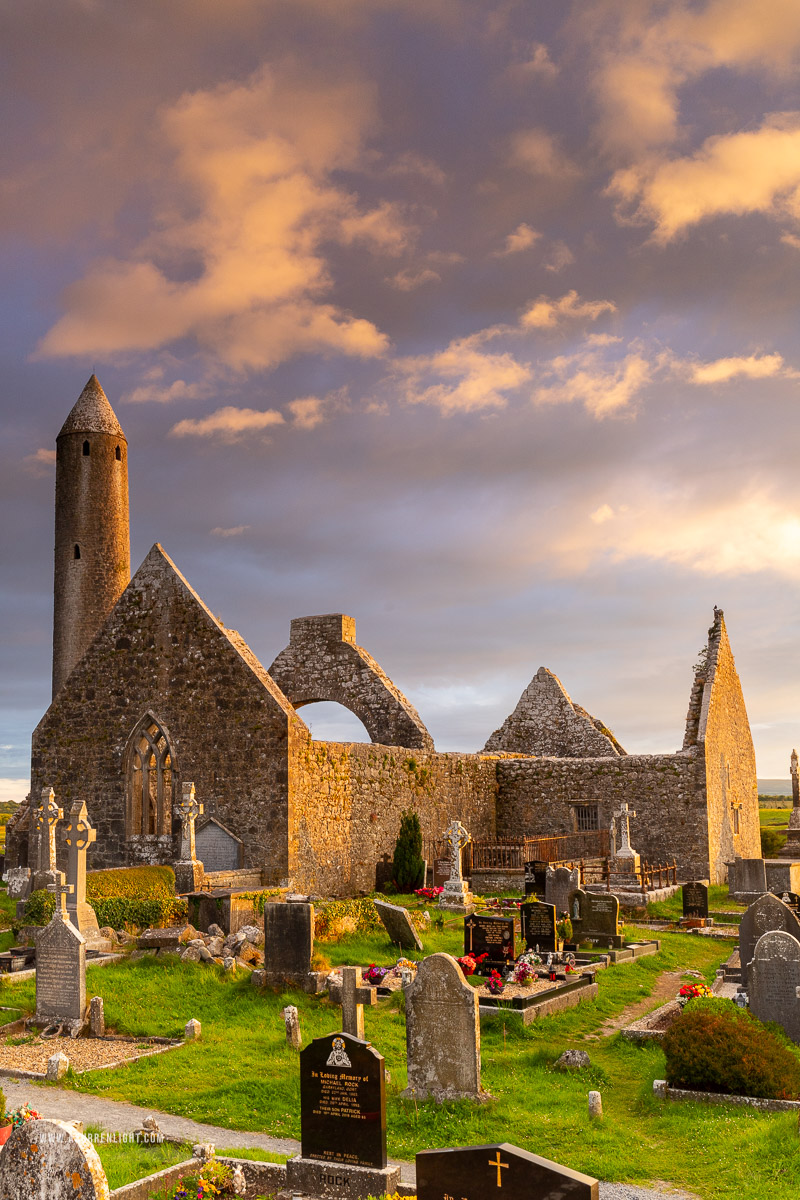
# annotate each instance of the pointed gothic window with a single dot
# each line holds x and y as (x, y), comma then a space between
(149, 781)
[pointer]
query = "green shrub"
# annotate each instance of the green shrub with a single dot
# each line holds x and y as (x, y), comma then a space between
(116, 911)
(772, 841)
(714, 1046)
(133, 882)
(408, 867)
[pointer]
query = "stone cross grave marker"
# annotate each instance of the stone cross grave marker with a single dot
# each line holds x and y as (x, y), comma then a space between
(79, 837)
(791, 848)
(594, 916)
(500, 1170)
(559, 882)
(493, 936)
(398, 925)
(342, 1121)
(50, 1158)
(695, 900)
(60, 966)
(774, 981)
(764, 915)
(45, 819)
(288, 942)
(443, 1035)
(623, 818)
(456, 894)
(352, 995)
(538, 925)
(187, 812)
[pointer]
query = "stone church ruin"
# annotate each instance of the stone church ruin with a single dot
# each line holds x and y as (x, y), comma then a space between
(151, 690)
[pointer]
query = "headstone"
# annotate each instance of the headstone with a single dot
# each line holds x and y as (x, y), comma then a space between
(45, 818)
(352, 995)
(192, 1030)
(397, 923)
(342, 1121)
(19, 883)
(79, 836)
(766, 914)
(498, 1171)
(60, 967)
(595, 1104)
(97, 1019)
(188, 871)
(559, 882)
(292, 1023)
(774, 981)
(535, 877)
(594, 916)
(57, 1067)
(288, 942)
(456, 895)
(538, 925)
(695, 900)
(443, 1036)
(782, 875)
(441, 872)
(50, 1158)
(750, 877)
(791, 848)
(493, 936)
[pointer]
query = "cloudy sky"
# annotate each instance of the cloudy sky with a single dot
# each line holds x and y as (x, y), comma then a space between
(475, 319)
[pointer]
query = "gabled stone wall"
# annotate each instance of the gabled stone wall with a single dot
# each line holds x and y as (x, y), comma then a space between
(545, 721)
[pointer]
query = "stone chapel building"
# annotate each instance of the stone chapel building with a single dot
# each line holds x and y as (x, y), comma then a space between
(151, 689)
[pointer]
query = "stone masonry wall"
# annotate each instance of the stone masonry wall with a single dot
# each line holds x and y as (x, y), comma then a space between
(545, 721)
(536, 795)
(723, 733)
(346, 801)
(162, 652)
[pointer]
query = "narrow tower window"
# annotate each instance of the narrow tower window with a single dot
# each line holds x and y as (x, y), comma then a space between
(118, 454)
(85, 449)
(77, 552)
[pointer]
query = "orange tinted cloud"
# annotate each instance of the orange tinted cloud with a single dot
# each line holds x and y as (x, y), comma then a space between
(250, 202)
(228, 424)
(545, 313)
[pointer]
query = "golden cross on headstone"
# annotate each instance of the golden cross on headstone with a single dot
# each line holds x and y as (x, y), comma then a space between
(61, 891)
(497, 1163)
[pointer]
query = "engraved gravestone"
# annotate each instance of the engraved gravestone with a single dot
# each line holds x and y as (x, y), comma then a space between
(443, 1036)
(774, 980)
(559, 882)
(52, 1159)
(595, 917)
(342, 1121)
(60, 967)
(493, 936)
(288, 942)
(441, 872)
(397, 924)
(535, 878)
(538, 925)
(498, 1172)
(695, 900)
(766, 914)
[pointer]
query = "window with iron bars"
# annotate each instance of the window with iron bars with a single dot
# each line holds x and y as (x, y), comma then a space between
(587, 817)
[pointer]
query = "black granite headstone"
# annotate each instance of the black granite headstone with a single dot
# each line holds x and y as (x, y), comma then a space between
(441, 871)
(695, 900)
(288, 941)
(535, 878)
(538, 925)
(343, 1102)
(493, 936)
(594, 916)
(498, 1172)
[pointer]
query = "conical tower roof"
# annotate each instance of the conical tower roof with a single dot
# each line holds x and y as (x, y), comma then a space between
(92, 413)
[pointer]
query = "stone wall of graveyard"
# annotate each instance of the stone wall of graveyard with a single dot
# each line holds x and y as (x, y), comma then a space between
(717, 724)
(536, 797)
(346, 800)
(161, 652)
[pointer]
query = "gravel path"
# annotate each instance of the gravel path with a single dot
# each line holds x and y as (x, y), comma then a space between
(118, 1116)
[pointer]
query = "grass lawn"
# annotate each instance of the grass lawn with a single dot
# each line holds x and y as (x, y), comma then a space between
(720, 906)
(775, 818)
(242, 1075)
(125, 1162)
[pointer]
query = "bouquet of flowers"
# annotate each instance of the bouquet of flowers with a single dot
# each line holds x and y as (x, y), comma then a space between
(692, 991)
(470, 962)
(495, 983)
(428, 893)
(406, 963)
(523, 972)
(375, 974)
(22, 1114)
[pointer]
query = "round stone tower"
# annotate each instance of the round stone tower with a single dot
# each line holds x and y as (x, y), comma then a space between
(92, 557)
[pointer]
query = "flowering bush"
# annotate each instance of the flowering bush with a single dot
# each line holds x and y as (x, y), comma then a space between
(693, 991)
(428, 893)
(375, 974)
(213, 1179)
(22, 1114)
(470, 962)
(495, 983)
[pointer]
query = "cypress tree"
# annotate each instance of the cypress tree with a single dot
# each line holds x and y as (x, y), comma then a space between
(408, 867)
